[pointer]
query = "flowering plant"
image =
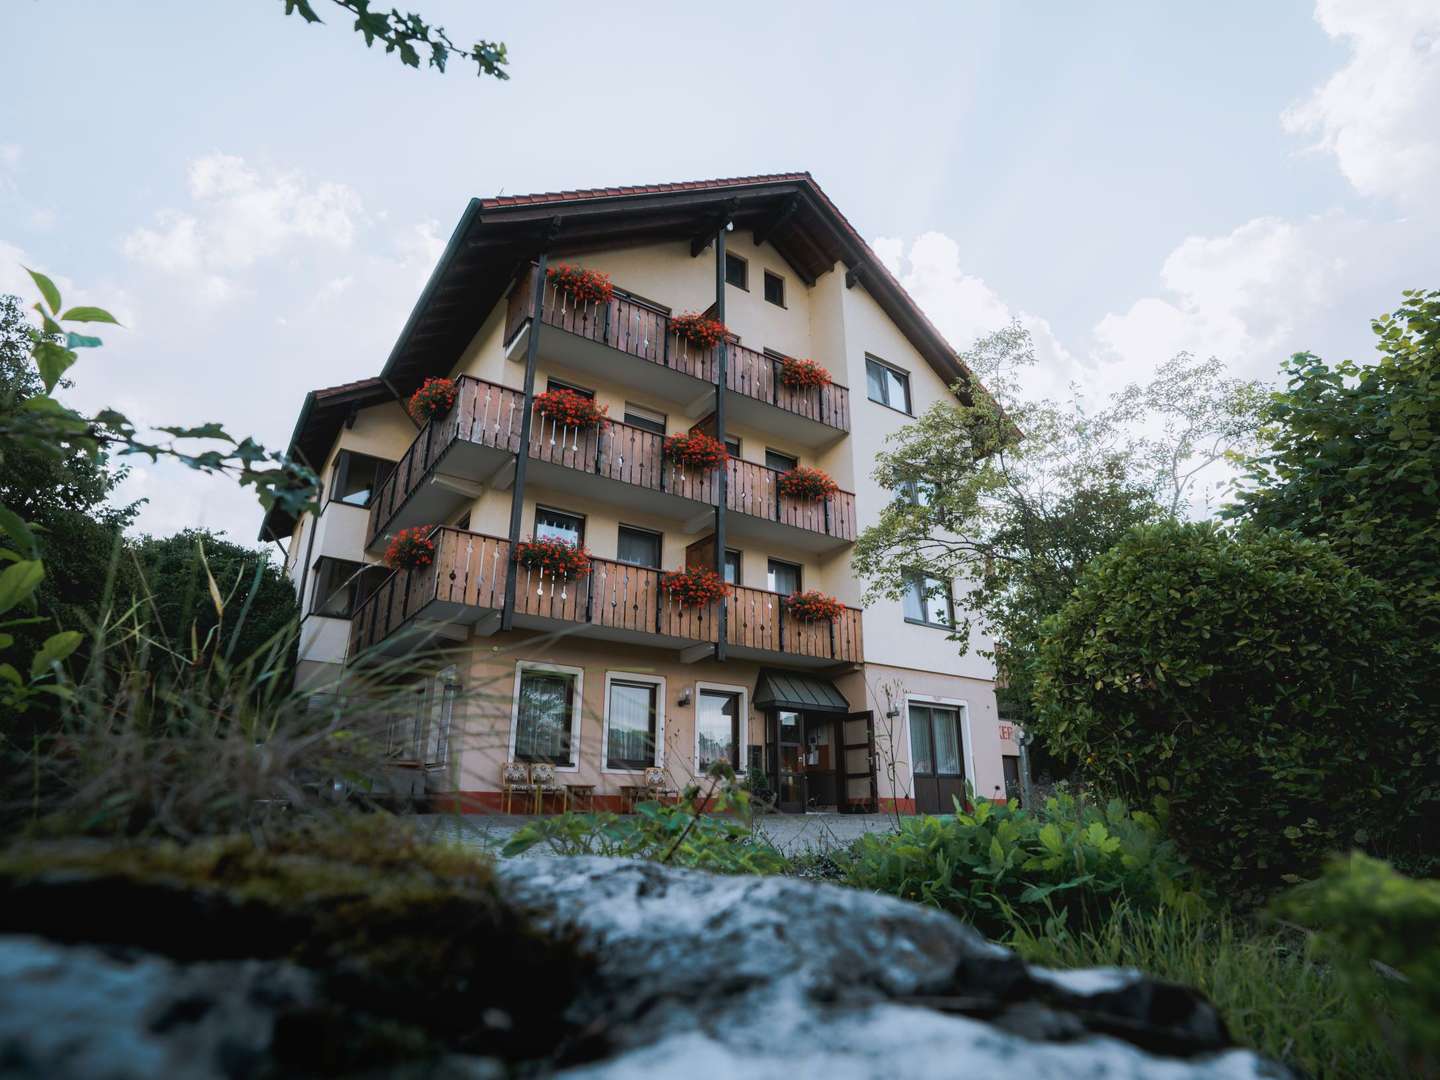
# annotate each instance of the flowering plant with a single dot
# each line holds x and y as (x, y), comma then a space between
(410, 549)
(697, 329)
(696, 449)
(803, 374)
(803, 482)
(433, 399)
(695, 586)
(561, 559)
(570, 409)
(584, 285)
(813, 606)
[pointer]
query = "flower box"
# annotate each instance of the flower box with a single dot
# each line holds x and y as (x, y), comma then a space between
(803, 374)
(560, 560)
(803, 482)
(585, 286)
(698, 330)
(813, 606)
(569, 409)
(411, 549)
(696, 450)
(433, 399)
(695, 586)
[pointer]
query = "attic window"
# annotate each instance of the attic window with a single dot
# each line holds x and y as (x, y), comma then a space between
(737, 271)
(775, 289)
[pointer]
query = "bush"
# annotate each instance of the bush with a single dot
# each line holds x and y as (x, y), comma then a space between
(1254, 680)
(1363, 912)
(1002, 867)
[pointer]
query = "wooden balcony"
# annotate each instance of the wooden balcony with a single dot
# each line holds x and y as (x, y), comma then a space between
(465, 586)
(639, 329)
(472, 444)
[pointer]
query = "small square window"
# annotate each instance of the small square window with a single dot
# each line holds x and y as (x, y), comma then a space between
(928, 601)
(782, 577)
(732, 567)
(559, 384)
(887, 385)
(641, 417)
(774, 288)
(638, 547)
(737, 271)
(558, 525)
(732, 445)
(774, 459)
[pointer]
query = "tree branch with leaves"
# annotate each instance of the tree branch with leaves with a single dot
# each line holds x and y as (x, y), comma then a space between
(406, 33)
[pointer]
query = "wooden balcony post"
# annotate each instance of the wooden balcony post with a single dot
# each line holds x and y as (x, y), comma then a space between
(517, 496)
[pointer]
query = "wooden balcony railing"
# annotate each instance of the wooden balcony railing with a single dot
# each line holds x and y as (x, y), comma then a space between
(640, 329)
(470, 569)
(489, 414)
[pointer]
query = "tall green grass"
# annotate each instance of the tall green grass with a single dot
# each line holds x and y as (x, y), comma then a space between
(1273, 996)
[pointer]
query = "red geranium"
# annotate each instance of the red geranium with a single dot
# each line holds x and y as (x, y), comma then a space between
(803, 482)
(587, 286)
(695, 586)
(410, 549)
(697, 329)
(433, 399)
(813, 606)
(570, 409)
(560, 559)
(803, 374)
(696, 450)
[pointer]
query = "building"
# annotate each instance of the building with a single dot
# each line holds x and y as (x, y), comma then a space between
(606, 673)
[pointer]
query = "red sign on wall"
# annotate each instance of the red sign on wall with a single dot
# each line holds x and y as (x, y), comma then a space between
(1007, 732)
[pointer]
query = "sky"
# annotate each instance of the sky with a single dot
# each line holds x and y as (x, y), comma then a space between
(260, 201)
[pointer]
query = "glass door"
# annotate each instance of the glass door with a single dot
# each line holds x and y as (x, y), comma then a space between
(790, 740)
(936, 758)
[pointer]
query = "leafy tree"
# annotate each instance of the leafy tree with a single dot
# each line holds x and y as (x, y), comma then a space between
(1254, 680)
(63, 497)
(1355, 460)
(1012, 498)
(408, 34)
(256, 600)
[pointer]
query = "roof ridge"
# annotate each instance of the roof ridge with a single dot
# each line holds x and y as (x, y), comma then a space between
(641, 189)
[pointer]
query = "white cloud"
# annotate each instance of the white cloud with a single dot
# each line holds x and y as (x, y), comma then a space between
(239, 216)
(1379, 115)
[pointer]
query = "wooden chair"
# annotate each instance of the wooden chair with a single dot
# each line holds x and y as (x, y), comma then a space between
(514, 776)
(543, 782)
(656, 784)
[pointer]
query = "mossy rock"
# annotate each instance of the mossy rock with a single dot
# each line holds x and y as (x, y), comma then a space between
(415, 944)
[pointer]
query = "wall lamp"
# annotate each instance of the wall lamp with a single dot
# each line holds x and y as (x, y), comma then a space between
(683, 699)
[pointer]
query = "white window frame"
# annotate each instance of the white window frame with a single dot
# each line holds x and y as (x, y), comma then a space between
(742, 748)
(658, 681)
(522, 666)
(967, 744)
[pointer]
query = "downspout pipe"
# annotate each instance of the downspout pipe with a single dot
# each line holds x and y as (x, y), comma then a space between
(721, 378)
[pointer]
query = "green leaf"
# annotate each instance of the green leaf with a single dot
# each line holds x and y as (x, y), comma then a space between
(1050, 837)
(89, 314)
(80, 341)
(18, 582)
(6, 640)
(56, 648)
(47, 289)
(53, 361)
(14, 527)
(11, 675)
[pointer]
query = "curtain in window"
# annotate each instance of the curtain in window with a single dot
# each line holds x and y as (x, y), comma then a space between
(631, 743)
(947, 742)
(542, 726)
(922, 746)
(717, 720)
(639, 548)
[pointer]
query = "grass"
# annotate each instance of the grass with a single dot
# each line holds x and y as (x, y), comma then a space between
(1273, 996)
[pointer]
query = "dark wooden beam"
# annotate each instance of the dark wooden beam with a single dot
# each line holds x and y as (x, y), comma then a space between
(706, 236)
(854, 275)
(766, 229)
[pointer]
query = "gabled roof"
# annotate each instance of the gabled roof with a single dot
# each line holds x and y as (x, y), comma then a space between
(496, 237)
(321, 417)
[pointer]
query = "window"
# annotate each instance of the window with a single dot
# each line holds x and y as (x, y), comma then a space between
(717, 729)
(732, 445)
(774, 459)
(927, 600)
(341, 586)
(782, 577)
(639, 547)
(737, 271)
(774, 288)
(357, 477)
(558, 525)
(630, 719)
(557, 384)
(641, 417)
(546, 706)
(732, 567)
(935, 742)
(887, 385)
(918, 492)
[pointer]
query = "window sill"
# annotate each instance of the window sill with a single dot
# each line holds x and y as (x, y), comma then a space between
(323, 615)
(558, 768)
(931, 625)
(892, 408)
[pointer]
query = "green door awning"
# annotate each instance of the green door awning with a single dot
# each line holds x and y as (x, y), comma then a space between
(776, 689)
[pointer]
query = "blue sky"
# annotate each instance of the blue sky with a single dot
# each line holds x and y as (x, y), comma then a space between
(261, 200)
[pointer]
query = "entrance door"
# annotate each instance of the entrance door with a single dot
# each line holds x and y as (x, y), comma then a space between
(790, 740)
(860, 792)
(937, 758)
